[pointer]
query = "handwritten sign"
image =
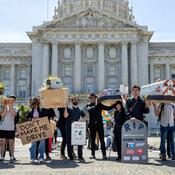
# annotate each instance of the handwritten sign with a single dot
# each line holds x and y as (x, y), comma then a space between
(134, 142)
(34, 130)
(78, 133)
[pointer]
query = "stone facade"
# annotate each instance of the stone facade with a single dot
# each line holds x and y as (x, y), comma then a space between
(91, 45)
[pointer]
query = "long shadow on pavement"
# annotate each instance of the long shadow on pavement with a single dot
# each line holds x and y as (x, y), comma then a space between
(62, 164)
(65, 164)
(6, 165)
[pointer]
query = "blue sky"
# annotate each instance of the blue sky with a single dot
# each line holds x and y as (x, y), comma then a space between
(18, 16)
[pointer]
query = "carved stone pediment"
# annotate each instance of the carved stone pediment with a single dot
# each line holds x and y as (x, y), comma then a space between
(89, 19)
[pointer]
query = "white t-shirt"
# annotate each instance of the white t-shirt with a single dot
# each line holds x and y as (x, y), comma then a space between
(7, 123)
(167, 116)
(35, 114)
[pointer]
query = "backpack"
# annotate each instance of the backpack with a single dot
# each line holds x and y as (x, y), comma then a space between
(162, 106)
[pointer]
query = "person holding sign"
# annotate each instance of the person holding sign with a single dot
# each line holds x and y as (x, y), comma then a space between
(120, 118)
(73, 113)
(34, 114)
(7, 127)
(96, 124)
(136, 106)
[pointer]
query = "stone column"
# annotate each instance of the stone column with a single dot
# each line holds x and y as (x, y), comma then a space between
(28, 80)
(133, 63)
(167, 71)
(125, 63)
(37, 52)
(142, 50)
(101, 66)
(77, 67)
(45, 61)
(55, 58)
(151, 73)
(12, 79)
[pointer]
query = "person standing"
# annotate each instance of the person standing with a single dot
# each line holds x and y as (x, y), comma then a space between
(34, 114)
(120, 118)
(167, 116)
(50, 113)
(73, 113)
(61, 125)
(96, 124)
(136, 106)
(7, 127)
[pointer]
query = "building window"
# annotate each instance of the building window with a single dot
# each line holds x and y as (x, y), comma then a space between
(90, 85)
(6, 74)
(159, 72)
(112, 83)
(90, 70)
(172, 69)
(67, 70)
(22, 93)
(112, 70)
(22, 73)
(68, 83)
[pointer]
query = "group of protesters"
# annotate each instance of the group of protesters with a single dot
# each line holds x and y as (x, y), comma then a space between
(131, 107)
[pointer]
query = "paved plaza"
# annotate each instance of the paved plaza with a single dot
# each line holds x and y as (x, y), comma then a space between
(90, 167)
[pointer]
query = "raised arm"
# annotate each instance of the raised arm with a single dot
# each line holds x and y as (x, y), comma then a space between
(12, 110)
(66, 114)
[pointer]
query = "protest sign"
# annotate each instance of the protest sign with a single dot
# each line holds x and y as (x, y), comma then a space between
(78, 133)
(134, 142)
(35, 130)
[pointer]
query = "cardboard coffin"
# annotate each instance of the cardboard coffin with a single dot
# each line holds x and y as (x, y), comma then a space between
(54, 98)
(109, 97)
(161, 92)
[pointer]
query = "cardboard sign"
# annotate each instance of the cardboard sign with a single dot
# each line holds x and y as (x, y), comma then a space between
(54, 98)
(134, 142)
(34, 130)
(78, 133)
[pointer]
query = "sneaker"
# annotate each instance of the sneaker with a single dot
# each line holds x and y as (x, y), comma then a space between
(41, 161)
(118, 159)
(63, 157)
(32, 161)
(36, 161)
(2, 159)
(48, 158)
(71, 158)
(173, 158)
(92, 157)
(163, 157)
(12, 159)
(81, 159)
(104, 158)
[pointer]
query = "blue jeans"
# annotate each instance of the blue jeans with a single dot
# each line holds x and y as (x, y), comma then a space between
(41, 150)
(163, 134)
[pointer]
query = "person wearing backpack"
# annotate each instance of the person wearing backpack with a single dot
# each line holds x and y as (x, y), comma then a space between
(166, 114)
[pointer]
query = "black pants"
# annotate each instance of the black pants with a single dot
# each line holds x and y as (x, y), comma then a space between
(118, 139)
(70, 147)
(47, 147)
(63, 144)
(100, 130)
(168, 144)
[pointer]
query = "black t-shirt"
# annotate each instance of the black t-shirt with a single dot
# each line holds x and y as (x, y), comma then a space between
(95, 113)
(50, 113)
(120, 118)
(62, 120)
(74, 114)
(138, 108)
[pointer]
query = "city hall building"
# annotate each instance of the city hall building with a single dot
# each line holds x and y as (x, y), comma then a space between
(91, 45)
